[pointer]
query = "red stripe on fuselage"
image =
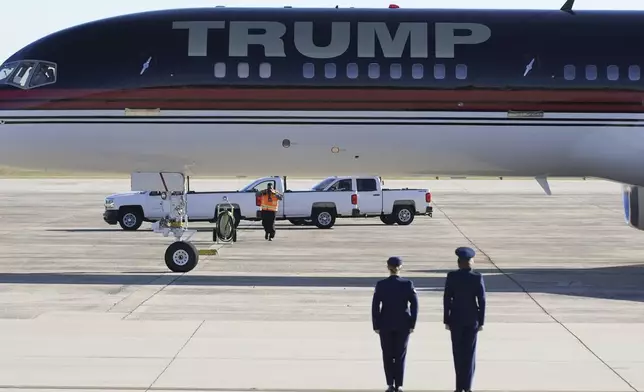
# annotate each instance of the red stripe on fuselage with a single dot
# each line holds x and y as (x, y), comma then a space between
(323, 99)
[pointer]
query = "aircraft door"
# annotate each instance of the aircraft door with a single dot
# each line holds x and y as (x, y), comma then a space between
(369, 198)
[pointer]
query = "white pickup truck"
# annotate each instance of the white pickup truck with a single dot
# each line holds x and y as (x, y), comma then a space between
(333, 197)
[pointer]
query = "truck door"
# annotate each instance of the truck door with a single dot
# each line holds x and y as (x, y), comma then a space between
(201, 205)
(153, 205)
(369, 197)
(345, 186)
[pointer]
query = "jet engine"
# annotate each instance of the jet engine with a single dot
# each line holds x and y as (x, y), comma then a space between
(634, 205)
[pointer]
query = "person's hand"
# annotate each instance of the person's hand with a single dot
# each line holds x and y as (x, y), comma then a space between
(480, 328)
(447, 327)
(377, 331)
(411, 330)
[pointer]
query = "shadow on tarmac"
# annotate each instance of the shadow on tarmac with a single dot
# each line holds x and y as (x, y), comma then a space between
(619, 283)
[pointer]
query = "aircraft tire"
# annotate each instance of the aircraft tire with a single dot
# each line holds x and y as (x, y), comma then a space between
(181, 256)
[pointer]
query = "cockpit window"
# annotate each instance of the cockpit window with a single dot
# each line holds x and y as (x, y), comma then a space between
(21, 76)
(44, 73)
(7, 69)
(28, 74)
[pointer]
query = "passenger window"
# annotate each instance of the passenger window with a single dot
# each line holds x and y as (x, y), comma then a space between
(439, 71)
(342, 186)
(329, 70)
(569, 72)
(633, 72)
(374, 71)
(243, 70)
(220, 70)
(417, 71)
(352, 70)
(461, 71)
(612, 72)
(591, 72)
(366, 185)
(395, 71)
(308, 70)
(265, 70)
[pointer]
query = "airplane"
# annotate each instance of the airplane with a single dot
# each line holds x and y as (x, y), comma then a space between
(316, 92)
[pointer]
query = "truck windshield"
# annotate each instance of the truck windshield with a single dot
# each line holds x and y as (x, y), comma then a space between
(248, 187)
(322, 185)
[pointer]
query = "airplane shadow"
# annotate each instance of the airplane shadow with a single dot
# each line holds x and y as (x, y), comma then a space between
(619, 283)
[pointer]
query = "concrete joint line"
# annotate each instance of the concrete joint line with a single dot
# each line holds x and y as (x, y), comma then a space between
(543, 309)
(177, 354)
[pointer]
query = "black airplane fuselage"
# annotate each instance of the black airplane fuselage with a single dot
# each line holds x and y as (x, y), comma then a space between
(317, 92)
(343, 59)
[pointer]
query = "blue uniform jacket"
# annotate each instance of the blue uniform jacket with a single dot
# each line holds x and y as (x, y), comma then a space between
(395, 293)
(463, 289)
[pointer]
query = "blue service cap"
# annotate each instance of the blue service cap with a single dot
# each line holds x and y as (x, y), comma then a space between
(394, 261)
(465, 253)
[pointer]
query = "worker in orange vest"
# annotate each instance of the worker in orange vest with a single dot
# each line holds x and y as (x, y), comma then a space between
(269, 200)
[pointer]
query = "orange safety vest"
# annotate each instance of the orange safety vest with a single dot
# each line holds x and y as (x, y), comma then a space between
(269, 201)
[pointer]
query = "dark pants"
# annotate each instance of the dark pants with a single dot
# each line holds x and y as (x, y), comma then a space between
(268, 222)
(394, 353)
(464, 352)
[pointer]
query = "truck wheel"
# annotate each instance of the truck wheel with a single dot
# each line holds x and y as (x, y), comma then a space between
(181, 256)
(388, 219)
(404, 215)
(324, 219)
(130, 219)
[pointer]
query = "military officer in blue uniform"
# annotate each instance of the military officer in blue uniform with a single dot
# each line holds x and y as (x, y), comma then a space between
(464, 315)
(394, 321)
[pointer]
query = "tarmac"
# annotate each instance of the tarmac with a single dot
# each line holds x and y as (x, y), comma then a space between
(87, 306)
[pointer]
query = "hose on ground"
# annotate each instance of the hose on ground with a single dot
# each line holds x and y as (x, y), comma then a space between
(225, 230)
